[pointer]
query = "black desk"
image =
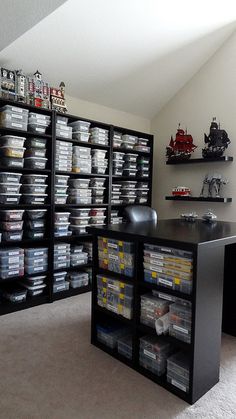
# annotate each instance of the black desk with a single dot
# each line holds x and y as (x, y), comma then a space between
(211, 244)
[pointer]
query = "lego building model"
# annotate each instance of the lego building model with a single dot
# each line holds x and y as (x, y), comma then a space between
(33, 90)
(216, 142)
(180, 148)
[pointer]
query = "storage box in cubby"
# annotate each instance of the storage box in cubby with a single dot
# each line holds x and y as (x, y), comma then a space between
(108, 333)
(152, 308)
(178, 367)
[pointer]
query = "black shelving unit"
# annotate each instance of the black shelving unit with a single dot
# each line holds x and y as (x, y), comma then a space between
(208, 249)
(49, 296)
(198, 198)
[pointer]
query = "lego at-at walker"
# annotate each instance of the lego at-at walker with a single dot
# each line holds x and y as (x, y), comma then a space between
(212, 185)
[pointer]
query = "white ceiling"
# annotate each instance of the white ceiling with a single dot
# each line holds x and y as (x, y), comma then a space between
(132, 55)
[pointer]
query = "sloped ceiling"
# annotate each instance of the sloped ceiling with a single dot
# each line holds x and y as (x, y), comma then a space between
(132, 55)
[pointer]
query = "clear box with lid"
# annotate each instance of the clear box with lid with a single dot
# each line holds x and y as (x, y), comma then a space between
(35, 234)
(61, 199)
(34, 199)
(82, 126)
(15, 294)
(109, 333)
(36, 214)
(157, 367)
(36, 252)
(62, 120)
(9, 162)
(10, 188)
(81, 136)
(130, 166)
(10, 236)
(11, 225)
(77, 230)
(37, 127)
(8, 120)
(60, 217)
(36, 224)
(34, 152)
(9, 177)
(15, 109)
(80, 212)
(34, 179)
(79, 183)
(64, 133)
(80, 221)
(34, 188)
(79, 200)
(61, 286)
(80, 192)
(12, 141)
(35, 162)
(78, 279)
(154, 346)
(97, 191)
(124, 346)
(61, 180)
(11, 215)
(36, 143)
(6, 198)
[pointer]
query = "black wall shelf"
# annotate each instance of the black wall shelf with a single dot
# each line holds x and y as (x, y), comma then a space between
(200, 160)
(197, 198)
(50, 205)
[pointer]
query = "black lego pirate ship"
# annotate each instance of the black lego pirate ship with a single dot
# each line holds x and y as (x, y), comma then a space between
(216, 142)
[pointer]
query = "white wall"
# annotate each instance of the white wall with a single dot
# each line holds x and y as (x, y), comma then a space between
(211, 92)
(104, 114)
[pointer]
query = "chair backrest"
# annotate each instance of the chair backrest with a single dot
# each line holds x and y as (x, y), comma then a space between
(139, 213)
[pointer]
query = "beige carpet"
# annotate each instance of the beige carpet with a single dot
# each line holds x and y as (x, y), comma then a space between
(50, 370)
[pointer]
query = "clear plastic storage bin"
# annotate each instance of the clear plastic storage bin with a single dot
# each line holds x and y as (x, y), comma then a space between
(9, 162)
(35, 162)
(34, 179)
(34, 199)
(36, 143)
(36, 214)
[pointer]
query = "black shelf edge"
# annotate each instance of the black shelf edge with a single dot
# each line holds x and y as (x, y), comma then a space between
(8, 307)
(22, 133)
(197, 198)
(124, 150)
(74, 238)
(130, 178)
(126, 205)
(81, 206)
(24, 206)
(24, 170)
(115, 275)
(165, 290)
(201, 160)
(113, 315)
(24, 242)
(94, 123)
(82, 175)
(83, 144)
(71, 292)
(176, 342)
(74, 268)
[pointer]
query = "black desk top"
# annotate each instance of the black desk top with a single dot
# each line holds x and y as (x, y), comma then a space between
(176, 230)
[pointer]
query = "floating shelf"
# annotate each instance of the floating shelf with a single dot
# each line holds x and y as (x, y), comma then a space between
(197, 198)
(201, 160)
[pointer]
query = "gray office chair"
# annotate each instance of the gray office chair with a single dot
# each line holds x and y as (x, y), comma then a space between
(139, 213)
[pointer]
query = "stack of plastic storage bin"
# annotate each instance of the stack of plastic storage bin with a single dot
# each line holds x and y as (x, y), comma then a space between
(178, 366)
(61, 189)
(88, 248)
(78, 257)
(63, 156)
(125, 346)
(59, 282)
(12, 151)
(143, 167)
(128, 141)
(34, 285)
(98, 136)
(61, 224)
(11, 225)
(10, 187)
(35, 223)
(130, 164)
(115, 295)
(14, 118)
(61, 256)
(11, 263)
(80, 130)
(180, 321)
(82, 162)
(77, 194)
(142, 144)
(117, 139)
(152, 308)
(62, 130)
(168, 267)
(38, 123)
(116, 255)
(79, 220)
(14, 293)
(116, 194)
(36, 260)
(153, 354)
(118, 163)
(99, 162)
(97, 216)
(35, 154)
(98, 190)
(142, 191)
(109, 333)
(34, 189)
(115, 219)
(128, 192)
(78, 279)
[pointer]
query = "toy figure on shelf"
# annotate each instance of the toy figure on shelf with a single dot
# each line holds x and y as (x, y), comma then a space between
(182, 147)
(212, 184)
(57, 98)
(209, 216)
(7, 84)
(21, 86)
(181, 191)
(217, 141)
(189, 216)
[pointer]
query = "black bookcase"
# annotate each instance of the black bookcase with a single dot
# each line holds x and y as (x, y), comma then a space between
(50, 240)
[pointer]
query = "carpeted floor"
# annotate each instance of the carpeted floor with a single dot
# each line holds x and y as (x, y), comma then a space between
(50, 370)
